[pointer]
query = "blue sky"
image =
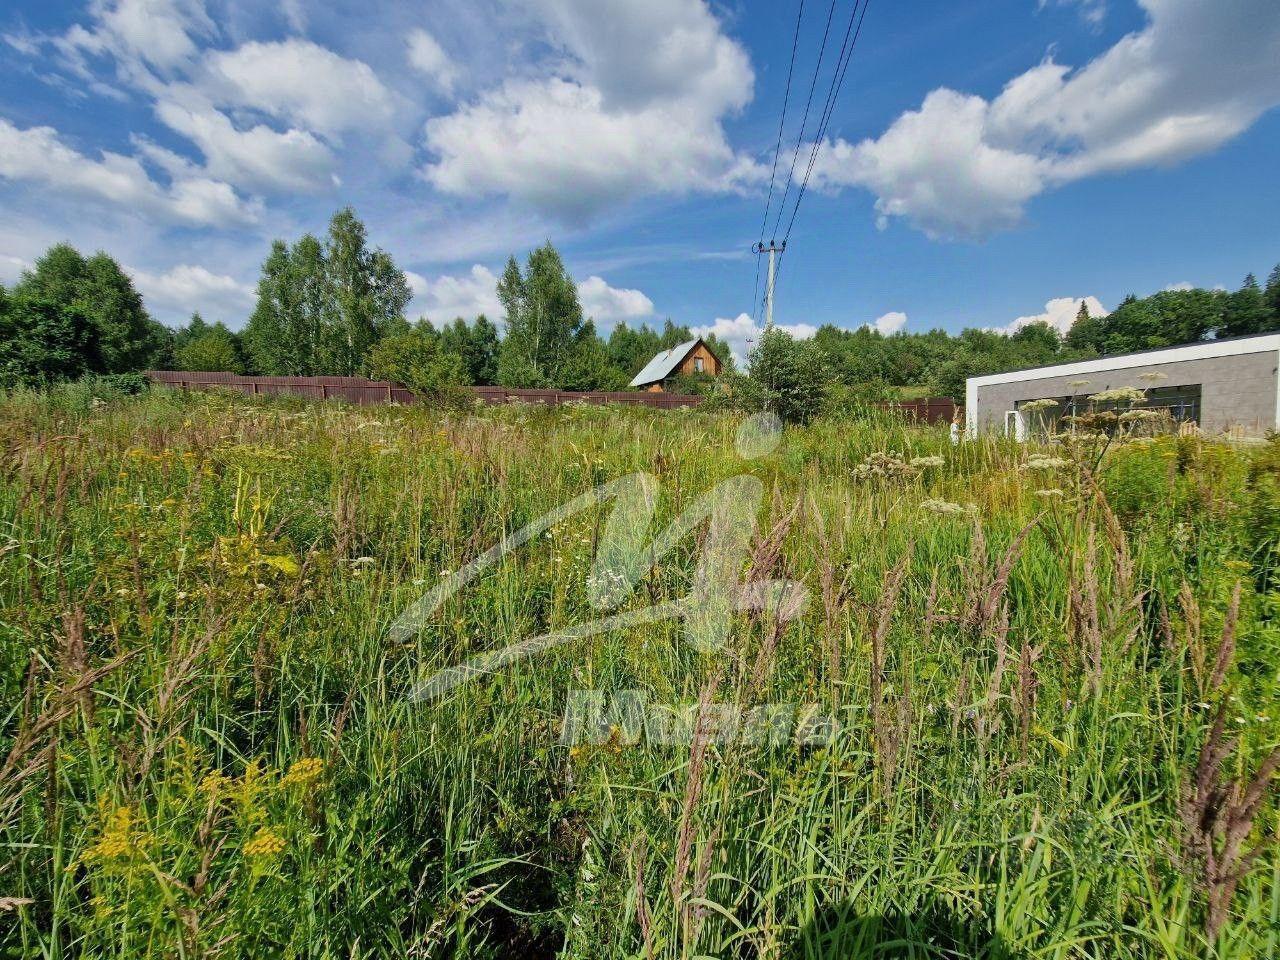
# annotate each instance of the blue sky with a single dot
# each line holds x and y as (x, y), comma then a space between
(985, 163)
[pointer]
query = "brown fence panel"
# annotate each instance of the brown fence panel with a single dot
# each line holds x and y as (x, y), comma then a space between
(931, 411)
(363, 392)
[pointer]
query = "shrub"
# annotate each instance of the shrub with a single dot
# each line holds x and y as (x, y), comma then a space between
(414, 359)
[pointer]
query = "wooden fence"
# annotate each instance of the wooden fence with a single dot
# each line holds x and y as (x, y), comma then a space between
(364, 392)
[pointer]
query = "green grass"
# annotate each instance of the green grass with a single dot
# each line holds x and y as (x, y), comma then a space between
(196, 594)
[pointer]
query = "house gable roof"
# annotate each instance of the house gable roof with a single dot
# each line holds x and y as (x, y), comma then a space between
(660, 367)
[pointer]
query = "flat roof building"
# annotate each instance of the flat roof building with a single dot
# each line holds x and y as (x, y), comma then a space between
(1219, 385)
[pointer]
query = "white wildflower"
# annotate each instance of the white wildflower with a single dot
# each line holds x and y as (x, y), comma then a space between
(942, 506)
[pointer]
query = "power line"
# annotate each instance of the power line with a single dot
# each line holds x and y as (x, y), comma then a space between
(786, 97)
(837, 81)
(817, 68)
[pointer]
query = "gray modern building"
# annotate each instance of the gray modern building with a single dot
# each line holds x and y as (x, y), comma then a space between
(1220, 385)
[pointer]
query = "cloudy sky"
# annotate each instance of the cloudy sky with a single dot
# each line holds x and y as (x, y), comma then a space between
(986, 164)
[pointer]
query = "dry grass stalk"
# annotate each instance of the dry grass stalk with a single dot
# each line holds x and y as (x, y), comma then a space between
(988, 719)
(701, 877)
(885, 738)
(1227, 644)
(766, 560)
(692, 791)
(25, 757)
(985, 589)
(835, 598)
(642, 900)
(1028, 692)
(1195, 635)
(1085, 620)
(73, 655)
(1092, 621)
(960, 704)
(1218, 816)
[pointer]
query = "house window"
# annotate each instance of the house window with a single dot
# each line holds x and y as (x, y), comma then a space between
(697, 364)
(1181, 404)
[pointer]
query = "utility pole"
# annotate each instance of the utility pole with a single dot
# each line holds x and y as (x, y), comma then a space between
(773, 249)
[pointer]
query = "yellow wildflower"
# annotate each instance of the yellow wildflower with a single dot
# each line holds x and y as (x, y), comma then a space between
(303, 772)
(265, 843)
(119, 838)
(214, 783)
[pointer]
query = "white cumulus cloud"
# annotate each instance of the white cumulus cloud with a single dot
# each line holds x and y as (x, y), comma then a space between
(631, 107)
(476, 291)
(891, 322)
(742, 333)
(302, 83)
(11, 268)
(607, 305)
(428, 58)
(258, 157)
(39, 155)
(185, 289)
(160, 33)
(1197, 75)
(1059, 313)
(447, 297)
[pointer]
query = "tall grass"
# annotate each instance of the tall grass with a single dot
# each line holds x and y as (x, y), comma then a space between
(1054, 685)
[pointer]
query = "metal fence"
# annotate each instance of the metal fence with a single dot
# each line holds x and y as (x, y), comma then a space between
(932, 410)
(364, 392)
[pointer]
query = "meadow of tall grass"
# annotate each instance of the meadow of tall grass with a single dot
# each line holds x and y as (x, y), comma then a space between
(1052, 671)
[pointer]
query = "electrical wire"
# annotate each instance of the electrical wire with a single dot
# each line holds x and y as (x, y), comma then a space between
(782, 120)
(837, 81)
(813, 84)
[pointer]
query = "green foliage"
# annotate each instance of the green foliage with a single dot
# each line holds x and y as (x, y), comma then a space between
(1247, 311)
(941, 363)
(843, 401)
(630, 348)
(543, 320)
(1272, 293)
(477, 346)
(43, 341)
(787, 376)
(203, 346)
(416, 359)
(64, 292)
(322, 306)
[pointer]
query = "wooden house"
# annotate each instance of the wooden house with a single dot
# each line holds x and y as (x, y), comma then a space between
(685, 358)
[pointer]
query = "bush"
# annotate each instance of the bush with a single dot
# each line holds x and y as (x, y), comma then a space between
(844, 401)
(114, 385)
(415, 360)
(213, 349)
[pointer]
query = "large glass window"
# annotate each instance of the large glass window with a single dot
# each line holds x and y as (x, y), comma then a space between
(1045, 416)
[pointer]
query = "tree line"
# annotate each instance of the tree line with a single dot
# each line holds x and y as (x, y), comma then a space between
(335, 305)
(938, 363)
